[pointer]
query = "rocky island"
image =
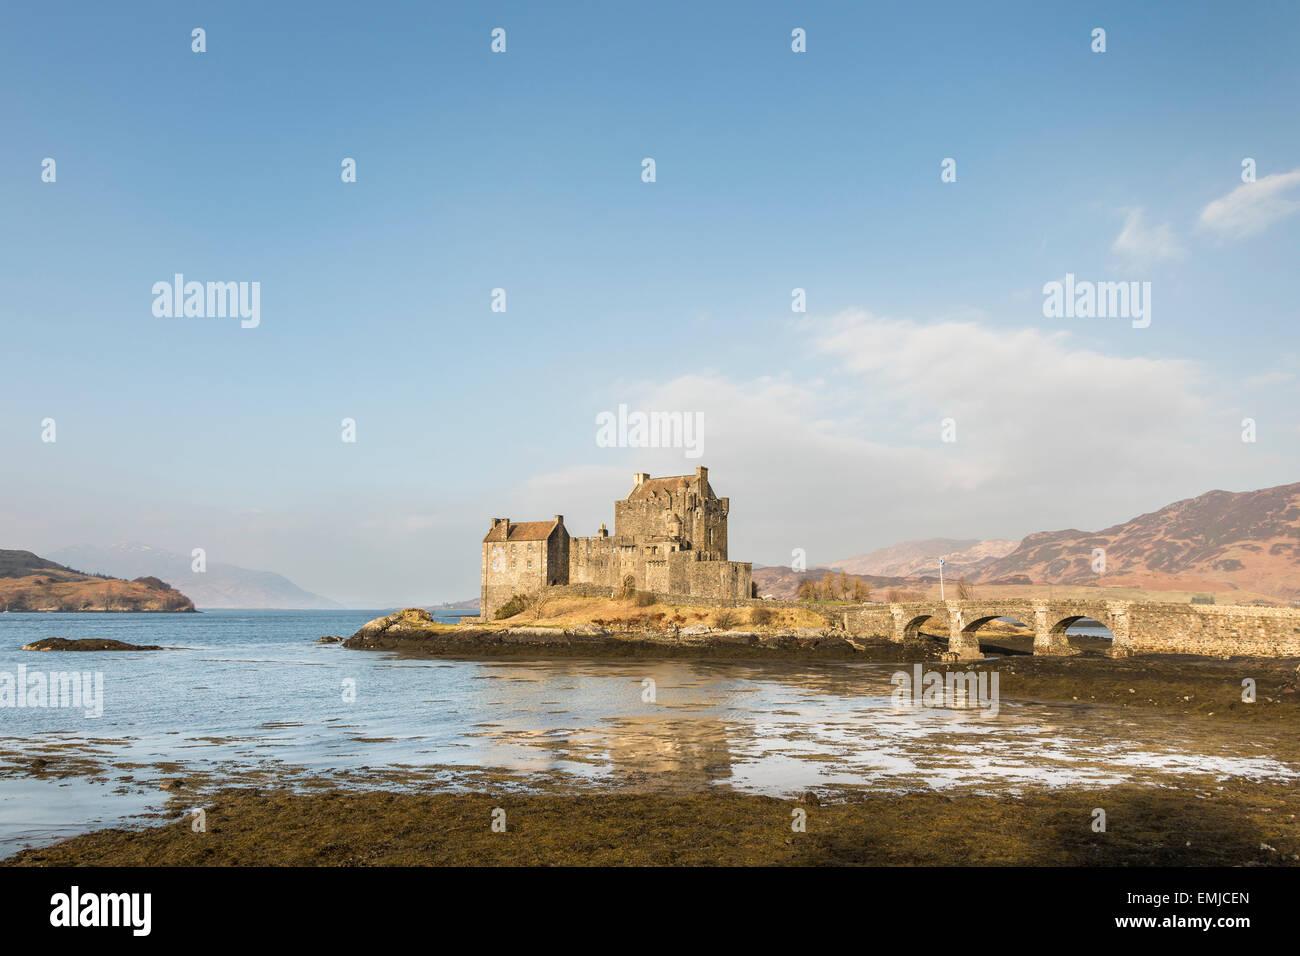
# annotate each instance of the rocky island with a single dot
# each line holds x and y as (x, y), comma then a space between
(87, 644)
(637, 625)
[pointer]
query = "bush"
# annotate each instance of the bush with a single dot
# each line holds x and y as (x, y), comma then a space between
(760, 615)
(726, 619)
(515, 605)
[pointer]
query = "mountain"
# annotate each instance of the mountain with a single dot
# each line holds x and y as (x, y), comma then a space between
(220, 586)
(1221, 540)
(32, 583)
(961, 557)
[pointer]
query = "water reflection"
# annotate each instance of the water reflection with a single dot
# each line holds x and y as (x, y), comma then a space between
(776, 728)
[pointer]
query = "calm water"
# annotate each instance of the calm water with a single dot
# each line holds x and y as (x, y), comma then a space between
(252, 690)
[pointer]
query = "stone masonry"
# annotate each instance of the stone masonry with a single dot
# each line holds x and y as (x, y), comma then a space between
(1139, 627)
(670, 537)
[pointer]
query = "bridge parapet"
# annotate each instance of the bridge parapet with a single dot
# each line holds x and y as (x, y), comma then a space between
(1147, 627)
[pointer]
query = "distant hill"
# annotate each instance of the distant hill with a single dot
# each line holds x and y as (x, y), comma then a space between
(32, 583)
(469, 604)
(220, 586)
(783, 583)
(909, 558)
(1246, 540)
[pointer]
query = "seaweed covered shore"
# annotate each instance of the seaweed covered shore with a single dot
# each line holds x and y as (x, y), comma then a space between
(1234, 824)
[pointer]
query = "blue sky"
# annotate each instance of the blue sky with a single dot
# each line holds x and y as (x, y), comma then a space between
(522, 171)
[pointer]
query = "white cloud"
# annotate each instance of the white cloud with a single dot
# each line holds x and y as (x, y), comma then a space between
(1252, 207)
(1142, 245)
(1021, 394)
(1050, 435)
(1269, 378)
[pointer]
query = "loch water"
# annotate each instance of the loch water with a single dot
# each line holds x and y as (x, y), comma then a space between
(253, 689)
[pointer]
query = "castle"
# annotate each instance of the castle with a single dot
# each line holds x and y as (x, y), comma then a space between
(670, 537)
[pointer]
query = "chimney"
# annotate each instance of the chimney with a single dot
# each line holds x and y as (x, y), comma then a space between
(604, 532)
(639, 477)
(559, 519)
(702, 474)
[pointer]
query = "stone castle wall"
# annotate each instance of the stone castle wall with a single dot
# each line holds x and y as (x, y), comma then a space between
(604, 561)
(670, 537)
(522, 567)
(703, 520)
(596, 591)
(612, 563)
(518, 575)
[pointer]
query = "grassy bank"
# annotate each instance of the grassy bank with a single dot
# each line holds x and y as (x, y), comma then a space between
(643, 613)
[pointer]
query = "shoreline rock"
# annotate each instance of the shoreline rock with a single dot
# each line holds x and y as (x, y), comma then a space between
(414, 631)
(89, 644)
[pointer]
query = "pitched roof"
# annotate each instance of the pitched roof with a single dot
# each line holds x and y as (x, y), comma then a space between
(674, 484)
(522, 531)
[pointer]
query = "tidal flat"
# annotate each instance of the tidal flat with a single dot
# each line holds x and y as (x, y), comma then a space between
(1184, 771)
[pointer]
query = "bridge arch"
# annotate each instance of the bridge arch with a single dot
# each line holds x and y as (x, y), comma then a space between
(1049, 621)
(912, 629)
(971, 628)
(1059, 630)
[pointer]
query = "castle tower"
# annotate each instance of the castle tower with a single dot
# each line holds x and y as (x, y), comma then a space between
(658, 510)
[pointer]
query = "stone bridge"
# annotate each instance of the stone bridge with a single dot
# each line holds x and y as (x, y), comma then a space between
(1139, 627)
